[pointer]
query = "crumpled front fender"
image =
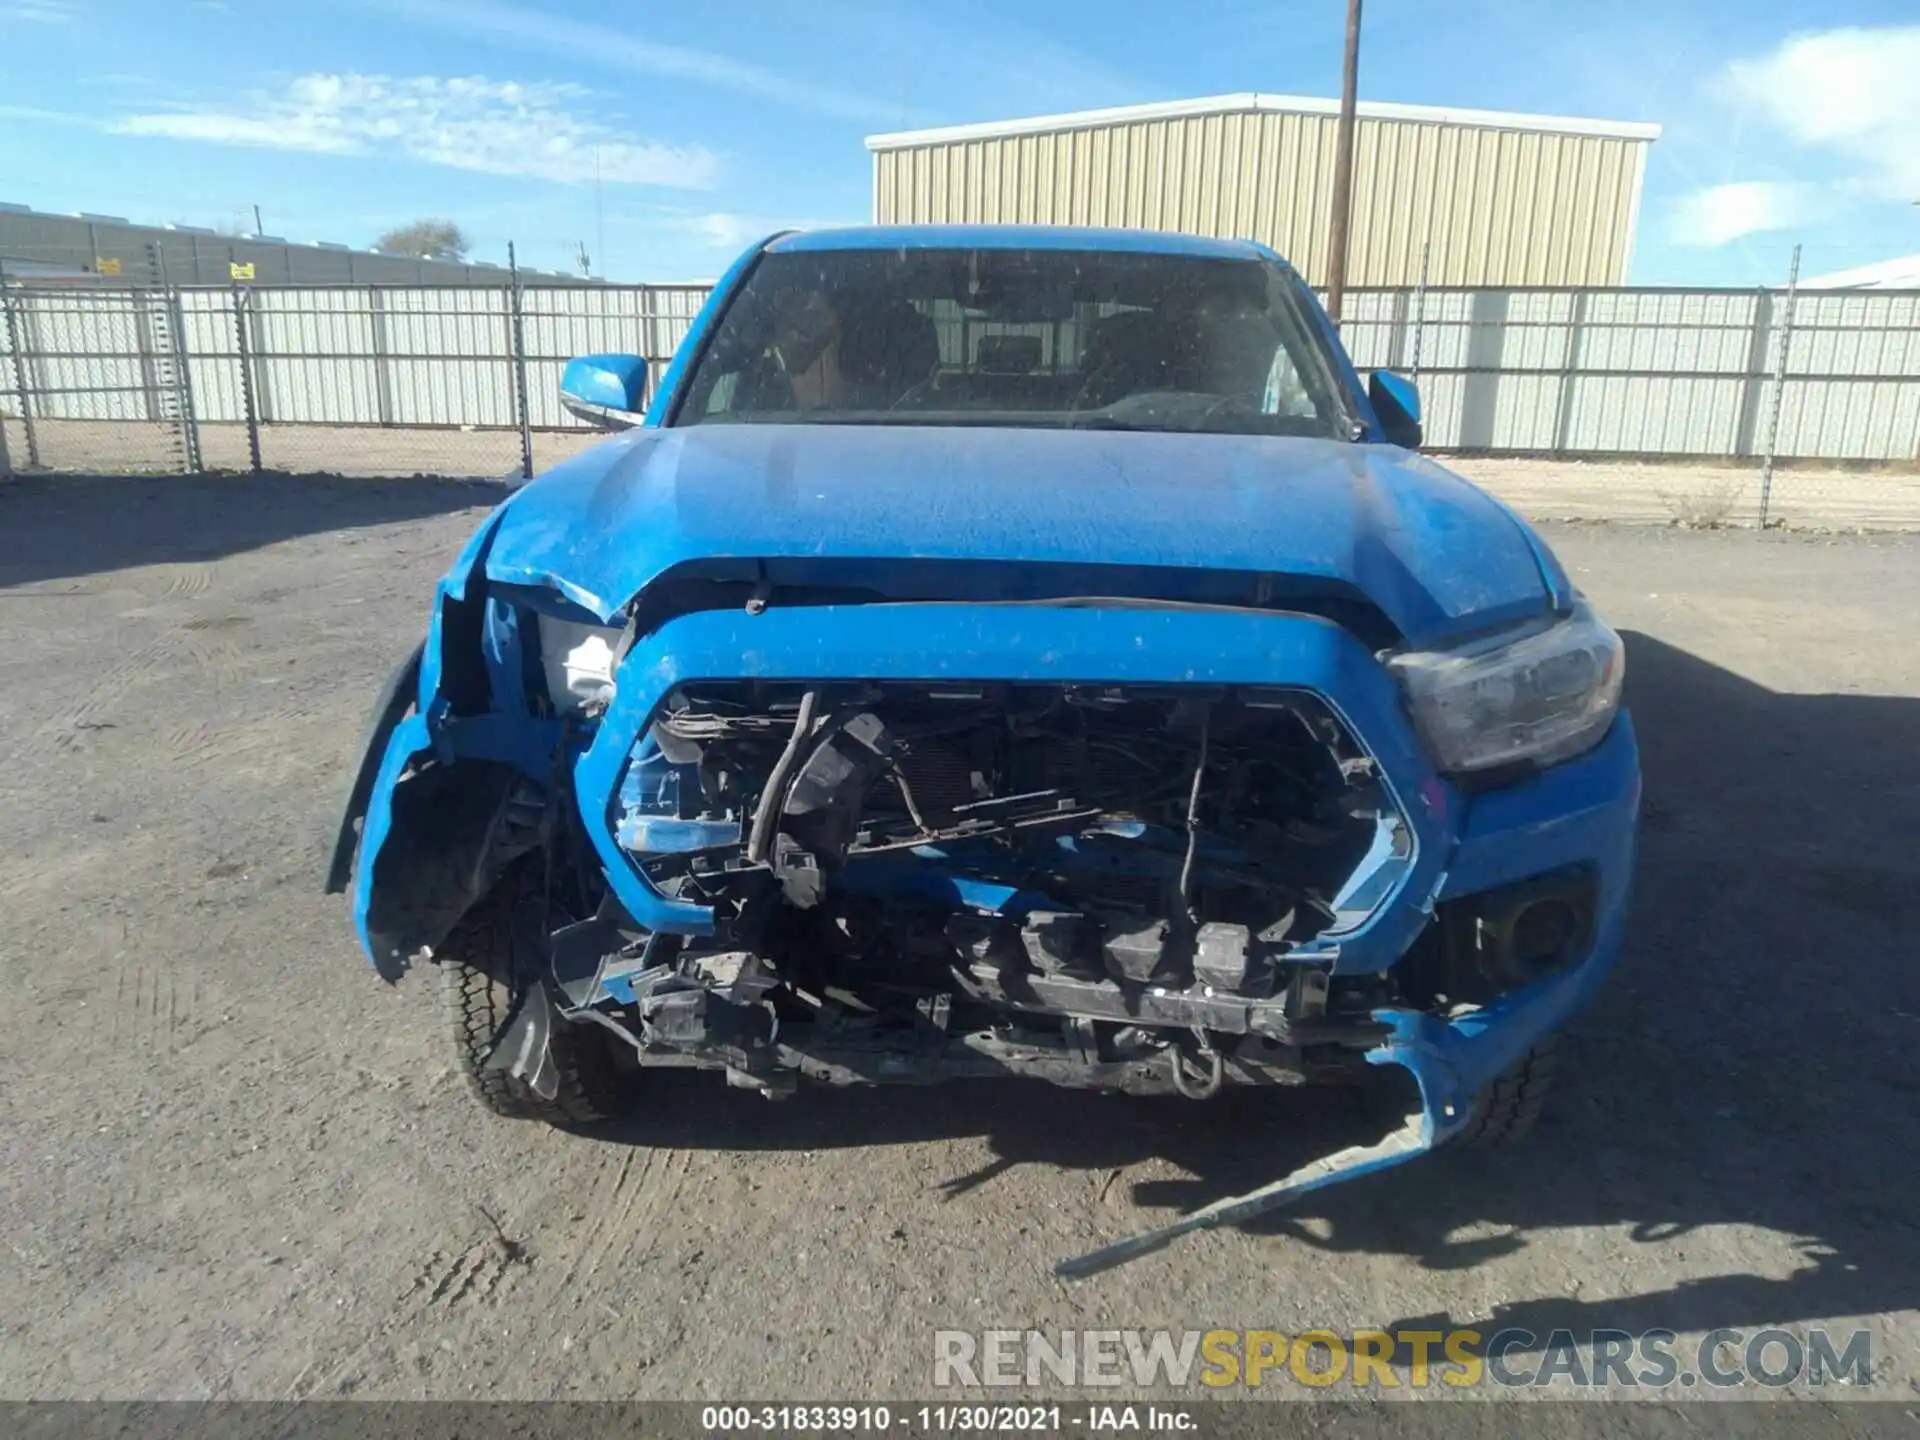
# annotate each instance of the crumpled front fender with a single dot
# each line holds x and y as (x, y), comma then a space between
(442, 801)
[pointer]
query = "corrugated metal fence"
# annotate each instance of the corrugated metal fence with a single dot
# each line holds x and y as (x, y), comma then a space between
(1666, 373)
(403, 379)
(370, 379)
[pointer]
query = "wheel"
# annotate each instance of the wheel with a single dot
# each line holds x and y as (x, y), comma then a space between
(477, 1000)
(1508, 1107)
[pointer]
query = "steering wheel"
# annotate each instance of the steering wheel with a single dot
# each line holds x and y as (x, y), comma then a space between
(1088, 382)
(916, 392)
(1195, 409)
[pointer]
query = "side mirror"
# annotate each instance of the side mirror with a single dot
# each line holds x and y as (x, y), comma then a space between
(1396, 400)
(606, 390)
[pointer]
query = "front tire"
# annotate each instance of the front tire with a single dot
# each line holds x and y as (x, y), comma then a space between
(477, 1000)
(1508, 1108)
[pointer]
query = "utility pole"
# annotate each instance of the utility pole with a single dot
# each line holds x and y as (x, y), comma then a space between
(258, 228)
(1343, 169)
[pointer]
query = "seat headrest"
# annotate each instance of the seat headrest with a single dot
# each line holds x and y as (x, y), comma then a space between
(888, 347)
(1007, 354)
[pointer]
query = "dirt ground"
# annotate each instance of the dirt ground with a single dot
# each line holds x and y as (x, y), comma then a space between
(235, 1164)
(1802, 496)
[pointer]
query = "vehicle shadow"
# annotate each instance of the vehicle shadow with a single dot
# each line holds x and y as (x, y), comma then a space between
(56, 527)
(1750, 1064)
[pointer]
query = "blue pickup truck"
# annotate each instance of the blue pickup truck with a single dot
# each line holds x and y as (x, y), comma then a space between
(1013, 652)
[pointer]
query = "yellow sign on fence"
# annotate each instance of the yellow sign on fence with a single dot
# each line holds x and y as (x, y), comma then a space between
(240, 270)
(106, 265)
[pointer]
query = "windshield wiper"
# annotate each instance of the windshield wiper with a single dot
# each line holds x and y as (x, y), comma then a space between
(1093, 420)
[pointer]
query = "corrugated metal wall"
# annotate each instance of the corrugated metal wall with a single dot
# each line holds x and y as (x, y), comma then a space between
(1492, 206)
(335, 355)
(1652, 372)
(1571, 372)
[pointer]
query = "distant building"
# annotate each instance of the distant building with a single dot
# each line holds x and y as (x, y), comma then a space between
(1489, 198)
(1901, 274)
(107, 249)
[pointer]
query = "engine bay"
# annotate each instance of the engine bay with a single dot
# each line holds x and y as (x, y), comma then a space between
(914, 881)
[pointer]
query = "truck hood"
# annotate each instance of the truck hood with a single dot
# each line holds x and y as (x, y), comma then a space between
(1434, 553)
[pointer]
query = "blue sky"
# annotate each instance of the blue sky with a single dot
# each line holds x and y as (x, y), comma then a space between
(1786, 120)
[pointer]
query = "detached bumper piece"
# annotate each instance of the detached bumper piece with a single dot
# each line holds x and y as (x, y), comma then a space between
(1403, 1144)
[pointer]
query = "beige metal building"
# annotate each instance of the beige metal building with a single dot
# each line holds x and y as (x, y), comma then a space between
(1493, 198)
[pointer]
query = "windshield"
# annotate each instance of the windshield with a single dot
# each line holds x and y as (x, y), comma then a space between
(1059, 338)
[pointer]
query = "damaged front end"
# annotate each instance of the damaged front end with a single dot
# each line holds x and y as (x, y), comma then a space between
(1105, 885)
(1119, 844)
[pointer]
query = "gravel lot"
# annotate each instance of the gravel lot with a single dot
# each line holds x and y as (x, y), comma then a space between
(236, 1164)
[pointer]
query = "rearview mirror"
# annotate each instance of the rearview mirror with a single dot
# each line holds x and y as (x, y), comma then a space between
(1396, 400)
(606, 390)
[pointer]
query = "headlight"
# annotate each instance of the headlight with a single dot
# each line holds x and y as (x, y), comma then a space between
(1540, 697)
(578, 660)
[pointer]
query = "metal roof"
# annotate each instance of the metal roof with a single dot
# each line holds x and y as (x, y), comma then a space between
(1251, 103)
(1900, 274)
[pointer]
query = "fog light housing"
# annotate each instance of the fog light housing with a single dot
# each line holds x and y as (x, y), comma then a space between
(1484, 945)
(1528, 931)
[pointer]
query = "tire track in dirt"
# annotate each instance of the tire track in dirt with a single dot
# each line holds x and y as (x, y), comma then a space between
(447, 1279)
(617, 1215)
(262, 733)
(448, 1282)
(63, 730)
(213, 654)
(225, 675)
(151, 1005)
(624, 1194)
(184, 582)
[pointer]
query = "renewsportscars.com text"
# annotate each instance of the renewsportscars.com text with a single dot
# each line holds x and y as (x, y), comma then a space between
(1381, 1359)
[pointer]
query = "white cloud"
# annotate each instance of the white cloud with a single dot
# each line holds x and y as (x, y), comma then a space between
(927, 59)
(49, 117)
(1720, 214)
(726, 230)
(625, 47)
(1851, 95)
(39, 12)
(468, 122)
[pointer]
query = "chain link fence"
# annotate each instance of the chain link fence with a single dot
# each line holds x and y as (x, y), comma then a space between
(402, 380)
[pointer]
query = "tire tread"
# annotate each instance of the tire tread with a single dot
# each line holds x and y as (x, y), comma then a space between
(1511, 1105)
(476, 1000)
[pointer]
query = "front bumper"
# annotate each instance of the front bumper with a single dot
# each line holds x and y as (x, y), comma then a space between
(1583, 812)
(1579, 813)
